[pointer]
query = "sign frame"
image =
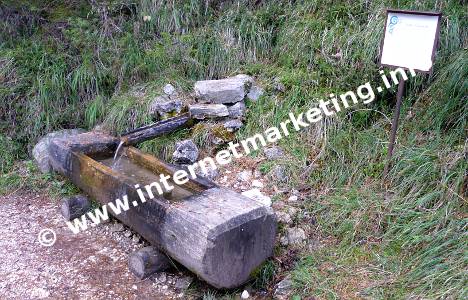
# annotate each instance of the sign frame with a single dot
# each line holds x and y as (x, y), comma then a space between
(412, 12)
(401, 84)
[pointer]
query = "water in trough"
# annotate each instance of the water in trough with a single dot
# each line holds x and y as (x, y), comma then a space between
(144, 176)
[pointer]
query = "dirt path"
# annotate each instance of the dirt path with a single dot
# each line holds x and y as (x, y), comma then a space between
(89, 265)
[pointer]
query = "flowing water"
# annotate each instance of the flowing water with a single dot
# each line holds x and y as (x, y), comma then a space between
(116, 159)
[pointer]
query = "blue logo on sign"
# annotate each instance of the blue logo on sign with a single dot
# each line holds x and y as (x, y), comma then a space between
(393, 22)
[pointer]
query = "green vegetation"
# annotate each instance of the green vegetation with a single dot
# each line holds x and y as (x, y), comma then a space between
(75, 64)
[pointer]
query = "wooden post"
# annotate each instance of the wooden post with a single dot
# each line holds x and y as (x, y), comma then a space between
(396, 117)
(74, 207)
(147, 261)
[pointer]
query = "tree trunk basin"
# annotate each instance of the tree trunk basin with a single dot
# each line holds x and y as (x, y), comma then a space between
(216, 233)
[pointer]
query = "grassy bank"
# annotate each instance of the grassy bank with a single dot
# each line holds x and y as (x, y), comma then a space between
(80, 64)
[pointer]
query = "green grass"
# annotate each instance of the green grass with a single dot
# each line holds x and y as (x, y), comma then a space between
(25, 175)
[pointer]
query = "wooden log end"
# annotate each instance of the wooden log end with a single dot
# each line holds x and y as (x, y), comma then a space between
(75, 206)
(147, 261)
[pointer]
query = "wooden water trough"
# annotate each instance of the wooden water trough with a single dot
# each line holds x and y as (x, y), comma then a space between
(216, 233)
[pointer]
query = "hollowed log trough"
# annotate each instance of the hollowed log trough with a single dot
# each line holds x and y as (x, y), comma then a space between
(216, 233)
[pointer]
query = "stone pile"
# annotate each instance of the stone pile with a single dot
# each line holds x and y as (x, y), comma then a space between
(224, 100)
(221, 101)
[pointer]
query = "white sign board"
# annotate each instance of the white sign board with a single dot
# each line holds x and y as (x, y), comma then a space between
(410, 39)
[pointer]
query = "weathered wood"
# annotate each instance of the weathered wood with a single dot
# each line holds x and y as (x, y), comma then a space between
(147, 261)
(216, 233)
(154, 130)
(75, 206)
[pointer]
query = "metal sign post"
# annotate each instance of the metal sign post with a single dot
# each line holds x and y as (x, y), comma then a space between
(410, 41)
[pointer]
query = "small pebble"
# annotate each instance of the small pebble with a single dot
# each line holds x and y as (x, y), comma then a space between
(257, 184)
(245, 295)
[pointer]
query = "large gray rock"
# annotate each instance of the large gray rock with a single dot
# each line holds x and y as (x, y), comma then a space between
(237, 110)
(228, 90)
(163, 105)
(41, 150)
(186, 152)
(209, 172)
(255, 93)
(210, 111)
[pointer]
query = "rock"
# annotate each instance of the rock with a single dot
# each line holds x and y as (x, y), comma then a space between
(217, 140)
(136, 238)
(284, 287)
(163, 105)
(257, 195)
(75, 206)
(147, 261)
(283, 217)
(228, 90)
(232, 125)
(127, 233)
(162, 277)
(278, 173)
(278, 85)
(183, 283)
(41, 150)
(117, 227)
(293, 198)
(210, 172)
(257, 174)
(292, 211)
(273, 152)
(295, 236)
(255, 93)
(237, 110)
(244, 176)
(169, 89)
(245, 295)
(248, 80)
(257, 184)
(186, 152)
(203, 111)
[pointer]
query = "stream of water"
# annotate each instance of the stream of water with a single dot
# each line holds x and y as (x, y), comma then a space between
(117, 158)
